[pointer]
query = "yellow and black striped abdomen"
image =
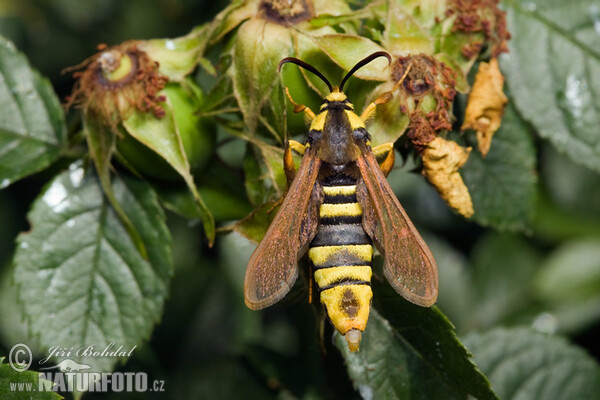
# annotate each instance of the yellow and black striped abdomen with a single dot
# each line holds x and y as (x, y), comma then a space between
(340, 255)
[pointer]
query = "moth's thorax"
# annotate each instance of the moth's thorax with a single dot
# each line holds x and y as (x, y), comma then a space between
(338, 128)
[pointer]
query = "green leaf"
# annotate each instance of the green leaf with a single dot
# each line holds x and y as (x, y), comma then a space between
(524, 365)
(389, 122)
(162, 135)
(223, 205)
(413, 354)
(176, 57)
(552, 69)
(32, 127)
(569, 283)
(254, 226)
(501, 279)
(23, 385)
(347, 50)
(258, 48)
(255, 187)
(502, 185)
(404, 35)
(571, 273)
(81, 279)
(101, 142)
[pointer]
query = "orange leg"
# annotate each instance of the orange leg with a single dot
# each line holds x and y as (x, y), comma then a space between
(300, 107)
(387, 150)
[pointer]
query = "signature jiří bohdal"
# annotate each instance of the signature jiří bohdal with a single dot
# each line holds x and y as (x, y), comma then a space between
(88, 351)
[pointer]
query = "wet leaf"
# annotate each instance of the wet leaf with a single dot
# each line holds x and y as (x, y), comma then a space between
(503, 185)
(551, 72)
(81, 279)
(414, 354)
(32, 127)
(524, 365)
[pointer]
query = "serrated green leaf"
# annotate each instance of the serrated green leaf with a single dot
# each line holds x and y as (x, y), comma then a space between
(81, 279)
(502, 185)
(32, 127)
(552, 69)
(24, 385)
(411, 352)
(524, 365)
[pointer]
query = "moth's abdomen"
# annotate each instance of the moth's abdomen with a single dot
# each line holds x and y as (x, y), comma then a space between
(341, 255)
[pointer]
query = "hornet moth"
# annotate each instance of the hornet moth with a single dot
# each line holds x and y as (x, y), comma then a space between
(338, 205)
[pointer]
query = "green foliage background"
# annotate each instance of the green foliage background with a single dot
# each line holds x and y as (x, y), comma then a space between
(520, 283)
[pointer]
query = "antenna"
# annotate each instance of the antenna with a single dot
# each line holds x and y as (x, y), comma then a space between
(362, 63)
(307, 67)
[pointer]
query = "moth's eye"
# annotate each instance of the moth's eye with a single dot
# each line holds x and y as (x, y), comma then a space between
(361, 134)
(313, 136)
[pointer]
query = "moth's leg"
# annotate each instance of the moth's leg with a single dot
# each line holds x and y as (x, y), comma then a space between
(300, 107)
(385, 150)
(369, 111)
(288, 160)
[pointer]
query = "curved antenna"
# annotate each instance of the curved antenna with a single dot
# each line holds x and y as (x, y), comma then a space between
(364, 62)
(307, 67)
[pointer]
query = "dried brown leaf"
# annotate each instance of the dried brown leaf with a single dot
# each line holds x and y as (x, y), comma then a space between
(486, 104)
(441, 162)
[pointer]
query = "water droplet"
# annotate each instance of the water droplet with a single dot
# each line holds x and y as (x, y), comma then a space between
(70, 223)
(545, 323)
(366, 391)
(52, 315)
(56, 197)
(76, 174)
(4, 183)
(574, 95)
(170, 45)
(24, 245)
(595, 14)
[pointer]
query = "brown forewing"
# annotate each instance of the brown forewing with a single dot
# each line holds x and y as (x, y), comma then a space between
(273, 267)
(408, 265)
